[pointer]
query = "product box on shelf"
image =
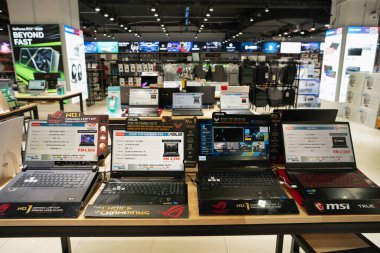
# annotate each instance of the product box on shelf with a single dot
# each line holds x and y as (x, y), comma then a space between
(370, 100)
(132, 67)
(139, 67)
(145, 67)
(357, 81)
(122, 81)
(373, 83)
(354, 98)
(130, 81)
(126, 67)
(368, 117)
(121, 68)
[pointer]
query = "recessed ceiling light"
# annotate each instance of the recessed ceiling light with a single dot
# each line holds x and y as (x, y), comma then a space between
(156, 14)
(285, 33)
(251, 20)
(153, 9)
(233, 37)
(327, 25)
(136, 34)
(125, 28)
(95, 31)
(112, 18)
(266, 9)
(95, 38)
(158, 19)
(240, 33)
(280, 35)
(121, 25)
(205, 19)
(163, 28)
(162, 25)
(211, 8)
(106, 14)
(208, 14)
(302, 32)
(259, 14)
(129, 30)
(97, 8)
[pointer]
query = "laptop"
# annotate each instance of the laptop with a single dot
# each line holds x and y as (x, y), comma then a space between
(322, 166)
(208, 93)
(146, 169)
(36, 87)
(165, 97)
(56, 168)
(143, 103)
(235, 103)
(187, 104)
(234, 162)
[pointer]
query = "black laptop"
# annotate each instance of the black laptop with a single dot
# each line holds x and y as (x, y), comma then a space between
(234, 165)
(146, 169)
(143, 103)
(208, 93)
(320, 160)
(187, 104)
(56, 167)
(165, 97)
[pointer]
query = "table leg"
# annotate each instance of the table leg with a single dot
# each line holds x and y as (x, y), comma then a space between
(81, 102)
(66, 244)
(294, 247)
(279, 243)
(61, 105)
(35, 113)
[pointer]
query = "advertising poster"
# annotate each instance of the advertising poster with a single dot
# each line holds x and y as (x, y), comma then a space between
(76, 61)
(90, 47)
(330, 65)
(36, 49)
(108, 47)
(148, 47)
(5, 48)
(359, 55)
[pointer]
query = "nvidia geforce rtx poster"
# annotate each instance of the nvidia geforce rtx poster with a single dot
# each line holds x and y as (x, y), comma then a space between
(76, 61)
(36, 49)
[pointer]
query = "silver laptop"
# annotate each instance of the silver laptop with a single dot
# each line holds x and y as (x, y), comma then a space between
(36, 87)
(187, 104)
(143, 103)
(235, 103)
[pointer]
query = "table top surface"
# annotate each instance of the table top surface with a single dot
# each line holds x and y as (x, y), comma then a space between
(46, 96)
(194, 218)
(20, 109)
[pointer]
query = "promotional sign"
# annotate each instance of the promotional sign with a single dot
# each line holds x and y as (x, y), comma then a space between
(173, 47)
(185, 46)
(39, 210)
(197, 46)
(36, 49)
(359, 55)
(330, 65)
(90, 47)
(290, 47)
(138, 211)
(110, 47)
(214, 46)
(310, 47)
(76, 61)
(5, 48)
(148, 47)
(271, 47)
(231, 47)
(250, 47)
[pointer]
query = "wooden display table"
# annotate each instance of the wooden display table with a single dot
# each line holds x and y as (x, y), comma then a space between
(51, 97)
(19, 111)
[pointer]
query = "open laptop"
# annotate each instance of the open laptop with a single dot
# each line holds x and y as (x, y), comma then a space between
(36, 87)
(208, 93)
(165, 97)
(235, 103)
(143, 103)
(234, 162)
(320, 168)
(187, 104)
(143, 172)
(56, 168)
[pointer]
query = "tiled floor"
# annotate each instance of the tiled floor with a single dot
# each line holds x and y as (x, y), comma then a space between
(367, 148)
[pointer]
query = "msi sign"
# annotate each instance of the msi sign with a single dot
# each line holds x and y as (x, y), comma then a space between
(321, 207)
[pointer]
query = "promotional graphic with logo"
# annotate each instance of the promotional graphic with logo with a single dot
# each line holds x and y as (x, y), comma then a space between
(36, 49)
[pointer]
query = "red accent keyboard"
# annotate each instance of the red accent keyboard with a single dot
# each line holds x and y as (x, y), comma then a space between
(337, 180)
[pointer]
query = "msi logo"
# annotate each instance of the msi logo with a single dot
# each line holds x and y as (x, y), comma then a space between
(342, 206)
(320, 206)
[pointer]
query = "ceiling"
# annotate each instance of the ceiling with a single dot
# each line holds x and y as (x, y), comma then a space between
(185, 19)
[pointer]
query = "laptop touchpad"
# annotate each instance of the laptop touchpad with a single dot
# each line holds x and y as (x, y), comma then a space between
(337, 193)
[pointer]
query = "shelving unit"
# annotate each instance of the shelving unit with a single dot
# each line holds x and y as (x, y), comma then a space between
(95, 80)
(6, 67)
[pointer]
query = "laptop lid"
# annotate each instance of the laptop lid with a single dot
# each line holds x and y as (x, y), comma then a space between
(234, 101)
(147, 154)
(37, 85)
(165, 96)
(208, 93)
(187, 100)
(234, 144)
(143, 97)
(318, 145)
(61, 144)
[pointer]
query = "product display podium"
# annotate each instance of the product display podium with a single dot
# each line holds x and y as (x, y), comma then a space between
(195, 225)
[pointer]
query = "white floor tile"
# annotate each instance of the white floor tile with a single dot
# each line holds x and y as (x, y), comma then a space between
(114, 245)
(189, 245)
(3, 241)
(32, 245)
(250, 244)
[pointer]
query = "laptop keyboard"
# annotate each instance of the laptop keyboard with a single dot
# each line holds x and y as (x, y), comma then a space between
(187, 113)
(334, 180)
(145, 188)
(233, 179)
(52, 179)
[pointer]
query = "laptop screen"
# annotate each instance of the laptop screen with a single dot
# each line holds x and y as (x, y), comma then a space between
(143, 97)
(318, 143)
(61, 142)
(147, 151)
(187, 100)
(37, 85)
(234, 142)
(233, 101)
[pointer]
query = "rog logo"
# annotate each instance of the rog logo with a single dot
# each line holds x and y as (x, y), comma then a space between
(221, 205)
(56, 115)
(320, 206)
(4, 208)
(177, 125)
(173, 212)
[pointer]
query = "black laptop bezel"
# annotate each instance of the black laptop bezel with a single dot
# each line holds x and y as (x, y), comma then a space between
(143, 174)
(216, 163)
(165, 97)
(329, 115)
(312, 167)
(208, 93)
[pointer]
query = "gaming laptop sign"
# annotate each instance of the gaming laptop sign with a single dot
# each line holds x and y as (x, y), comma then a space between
(40, 210)
(349, 206)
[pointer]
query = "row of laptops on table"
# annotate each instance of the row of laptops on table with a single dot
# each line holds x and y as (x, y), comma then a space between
(145, 102)
(234, 164)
